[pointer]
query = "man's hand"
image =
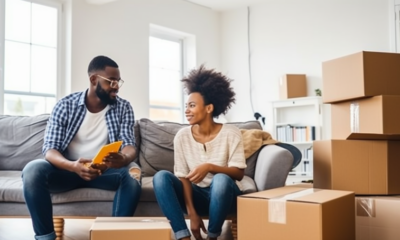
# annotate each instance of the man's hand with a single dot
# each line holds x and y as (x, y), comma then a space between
(99, 166)
(196, 223)
(115, 160)
(198, 173)
(86, 173)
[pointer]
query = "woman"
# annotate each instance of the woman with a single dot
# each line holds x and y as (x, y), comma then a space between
(209, 160)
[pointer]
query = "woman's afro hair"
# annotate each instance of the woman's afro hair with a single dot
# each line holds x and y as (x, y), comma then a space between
(213, 86)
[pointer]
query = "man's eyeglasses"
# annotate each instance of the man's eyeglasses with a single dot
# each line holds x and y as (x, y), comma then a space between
(113, 83)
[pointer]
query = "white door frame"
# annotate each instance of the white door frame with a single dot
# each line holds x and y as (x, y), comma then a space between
(397, 27)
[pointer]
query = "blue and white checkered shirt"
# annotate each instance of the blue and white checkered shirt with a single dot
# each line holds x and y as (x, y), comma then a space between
(68, 114)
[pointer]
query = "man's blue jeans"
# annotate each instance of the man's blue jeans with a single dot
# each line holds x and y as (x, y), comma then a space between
(216, 201)
(41, 178)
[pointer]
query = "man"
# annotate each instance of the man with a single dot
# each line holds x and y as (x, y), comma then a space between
(80, 124)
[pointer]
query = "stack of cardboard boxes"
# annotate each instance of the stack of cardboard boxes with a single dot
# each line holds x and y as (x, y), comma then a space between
(298, 212)
(364, 153)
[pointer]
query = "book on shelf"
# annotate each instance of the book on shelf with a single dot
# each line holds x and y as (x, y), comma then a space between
(295, 133)
(307, 153)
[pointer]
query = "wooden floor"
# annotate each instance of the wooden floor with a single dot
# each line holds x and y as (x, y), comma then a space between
(74, 229)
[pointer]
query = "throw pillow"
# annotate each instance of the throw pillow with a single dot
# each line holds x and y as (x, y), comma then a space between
(252, 160)
(157, 145)
(21, 140)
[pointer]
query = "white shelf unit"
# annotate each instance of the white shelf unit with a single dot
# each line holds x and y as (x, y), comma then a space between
(292, 119)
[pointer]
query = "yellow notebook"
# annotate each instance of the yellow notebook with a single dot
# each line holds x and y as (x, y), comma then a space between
(105, 150)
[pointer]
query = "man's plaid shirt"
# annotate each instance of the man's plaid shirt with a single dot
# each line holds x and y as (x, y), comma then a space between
(68, 114)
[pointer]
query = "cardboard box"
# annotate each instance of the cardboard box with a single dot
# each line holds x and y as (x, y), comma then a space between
(293, 86)
(367, 118)
(360, 75)
(296, 213)
(303, 185)
(367, 167)
(377, 218)
(127, 228)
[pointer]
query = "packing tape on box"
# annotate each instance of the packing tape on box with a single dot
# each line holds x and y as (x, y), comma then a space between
(365, 207)
(277, 206)
(354, 117)
(146, 220)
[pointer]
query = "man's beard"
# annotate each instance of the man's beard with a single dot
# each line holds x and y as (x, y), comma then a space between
(104, 96)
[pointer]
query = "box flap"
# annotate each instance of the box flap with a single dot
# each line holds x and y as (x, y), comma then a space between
(132, 223)
(322, 196)
(372, 136)
(272, 193)
(299, 194)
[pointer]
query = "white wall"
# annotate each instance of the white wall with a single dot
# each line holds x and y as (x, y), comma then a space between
(120, 30)
(295, 37)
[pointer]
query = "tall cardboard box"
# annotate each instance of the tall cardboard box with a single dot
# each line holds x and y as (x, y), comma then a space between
(292, 86)
(368, 118)
(378, 218)
(289, 213)
(362, 74)
(127, 228)
(367, 167)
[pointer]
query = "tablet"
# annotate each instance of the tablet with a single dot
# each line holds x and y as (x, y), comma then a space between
(105, 150)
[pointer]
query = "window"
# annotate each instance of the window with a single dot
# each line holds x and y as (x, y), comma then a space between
(165, 73)
(30, 40)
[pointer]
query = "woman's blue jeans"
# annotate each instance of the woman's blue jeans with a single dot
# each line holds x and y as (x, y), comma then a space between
(216, 201)
(41, 178)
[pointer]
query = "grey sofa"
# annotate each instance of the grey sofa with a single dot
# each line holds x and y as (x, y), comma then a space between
(21, 140)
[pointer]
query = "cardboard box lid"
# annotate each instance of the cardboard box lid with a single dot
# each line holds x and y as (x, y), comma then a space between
(299, 194)
(131, 223)
(373, 136)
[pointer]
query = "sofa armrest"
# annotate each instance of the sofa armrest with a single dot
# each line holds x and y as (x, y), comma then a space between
(272, 167)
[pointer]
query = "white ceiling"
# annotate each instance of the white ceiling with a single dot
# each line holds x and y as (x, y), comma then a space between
(217, 5)
(223, 5)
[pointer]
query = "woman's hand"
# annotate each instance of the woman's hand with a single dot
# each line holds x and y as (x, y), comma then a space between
(196, 223)
(199, 173)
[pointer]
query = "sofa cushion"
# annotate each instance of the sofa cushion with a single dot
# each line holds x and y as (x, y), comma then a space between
(136, 130)
(247, 125)
(248, 185)
(11, 191)
(251, 164)
(11, 186)
(251, 161)
(148, 195)
(157, 145)
(21, 140)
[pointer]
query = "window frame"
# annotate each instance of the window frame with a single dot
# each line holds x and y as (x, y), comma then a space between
(58, 5)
